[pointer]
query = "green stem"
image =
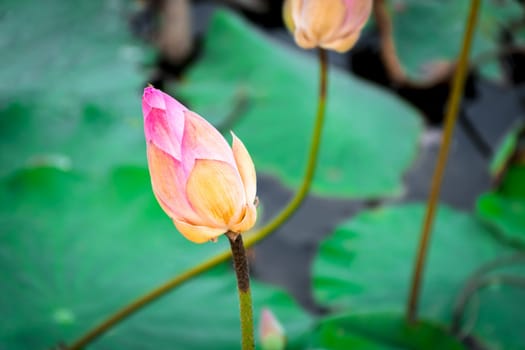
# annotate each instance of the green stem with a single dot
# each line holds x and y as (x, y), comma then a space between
(242, 272)
(450, 121)
(251, 238)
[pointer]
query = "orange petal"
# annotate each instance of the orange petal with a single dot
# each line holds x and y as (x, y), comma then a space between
(246, 168)
(198, 234)
(304, 40)
(247, 221)
(216, 192)
(295, 10)
(322, 20)
(168, 182)
(342, 44)
(202, 141)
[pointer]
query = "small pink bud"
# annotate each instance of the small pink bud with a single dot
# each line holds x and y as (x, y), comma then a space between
(271, 332)
(205, 186)
(329, 24)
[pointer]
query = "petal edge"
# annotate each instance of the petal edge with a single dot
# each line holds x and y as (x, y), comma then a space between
(197, 234)
(247, 222)
(246, 168)
(168, 183)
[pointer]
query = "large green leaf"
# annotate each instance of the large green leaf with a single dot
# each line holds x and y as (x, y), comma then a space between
(431, 31)
(73, 250)
(380, 331)
(70, 90)
(504, 207)
(370, 136)
(506, 214)
(367, 263)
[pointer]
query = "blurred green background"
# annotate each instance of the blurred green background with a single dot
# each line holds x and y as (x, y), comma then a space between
(81, 234)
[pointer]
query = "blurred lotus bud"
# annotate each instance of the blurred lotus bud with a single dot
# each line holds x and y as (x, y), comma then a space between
(205, 186)
(271, 332)
(329, 24)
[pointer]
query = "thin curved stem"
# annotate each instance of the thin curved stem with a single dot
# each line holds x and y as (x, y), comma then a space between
(144, 300)
(389, 55)
(300, 195)
(479, 280)
(478, 284)
(504, 261)
(450, 121)
(250, 238)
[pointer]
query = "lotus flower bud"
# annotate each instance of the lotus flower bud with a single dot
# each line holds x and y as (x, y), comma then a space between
(329, 24)
(205, 186)
(271, 332)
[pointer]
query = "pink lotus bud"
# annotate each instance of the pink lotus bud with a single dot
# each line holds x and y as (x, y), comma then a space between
(271, 332)
(205, 187)
(330, 24)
